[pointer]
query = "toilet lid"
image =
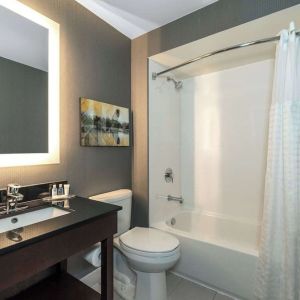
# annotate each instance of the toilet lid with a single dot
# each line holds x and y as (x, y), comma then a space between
(149, 240)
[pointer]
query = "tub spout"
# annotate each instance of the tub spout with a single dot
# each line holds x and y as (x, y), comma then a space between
(178, 199)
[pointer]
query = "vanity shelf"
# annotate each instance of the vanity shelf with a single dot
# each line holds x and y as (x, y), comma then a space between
(59, 287)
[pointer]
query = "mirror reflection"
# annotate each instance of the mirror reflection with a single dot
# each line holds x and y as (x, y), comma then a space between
(23, 85)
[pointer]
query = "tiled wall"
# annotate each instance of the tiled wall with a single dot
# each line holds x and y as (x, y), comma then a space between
(213, 134)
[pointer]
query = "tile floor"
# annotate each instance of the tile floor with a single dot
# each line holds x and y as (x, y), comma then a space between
(179, 288)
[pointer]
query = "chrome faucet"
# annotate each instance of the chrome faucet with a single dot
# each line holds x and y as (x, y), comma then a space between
(178, 199)
(13, 197)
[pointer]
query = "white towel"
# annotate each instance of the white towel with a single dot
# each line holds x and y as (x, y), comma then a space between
(124, 277)
(93, 255)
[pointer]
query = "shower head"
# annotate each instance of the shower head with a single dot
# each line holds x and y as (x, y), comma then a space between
(178, 83)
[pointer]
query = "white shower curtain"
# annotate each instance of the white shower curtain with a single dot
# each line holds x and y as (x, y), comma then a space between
(278, 272)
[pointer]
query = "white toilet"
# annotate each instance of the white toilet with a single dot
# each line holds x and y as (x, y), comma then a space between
(148, 251)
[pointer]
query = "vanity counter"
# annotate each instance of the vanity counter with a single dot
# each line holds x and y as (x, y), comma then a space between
(81, 210)
(49, 243)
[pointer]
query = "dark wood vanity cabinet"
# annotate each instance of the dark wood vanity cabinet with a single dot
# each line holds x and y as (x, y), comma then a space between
(20, 263)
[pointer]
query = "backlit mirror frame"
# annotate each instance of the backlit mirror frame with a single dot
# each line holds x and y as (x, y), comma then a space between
(53, 155)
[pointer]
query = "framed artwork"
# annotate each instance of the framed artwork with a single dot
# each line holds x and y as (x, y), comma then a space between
(103, 124)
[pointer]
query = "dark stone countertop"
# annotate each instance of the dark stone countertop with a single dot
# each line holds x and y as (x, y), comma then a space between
(82, 210)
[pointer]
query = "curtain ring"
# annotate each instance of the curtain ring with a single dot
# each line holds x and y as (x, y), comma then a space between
(292, 28)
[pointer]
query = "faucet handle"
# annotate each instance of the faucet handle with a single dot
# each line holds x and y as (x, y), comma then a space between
(13, 188)
(12, 204)
(169, 175)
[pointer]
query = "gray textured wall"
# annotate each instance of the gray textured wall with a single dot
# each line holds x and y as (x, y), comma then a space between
(219, 16)
(95, 63)
(24, 108)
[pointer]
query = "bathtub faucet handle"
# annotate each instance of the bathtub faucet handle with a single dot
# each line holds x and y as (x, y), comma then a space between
(169, 176)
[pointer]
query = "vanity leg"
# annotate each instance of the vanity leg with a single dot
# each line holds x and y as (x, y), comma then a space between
(63, 266)
(107, 269)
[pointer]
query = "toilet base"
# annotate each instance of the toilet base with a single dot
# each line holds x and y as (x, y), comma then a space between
(151, 286)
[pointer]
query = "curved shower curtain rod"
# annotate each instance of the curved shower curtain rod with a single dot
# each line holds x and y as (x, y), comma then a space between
(238, 46)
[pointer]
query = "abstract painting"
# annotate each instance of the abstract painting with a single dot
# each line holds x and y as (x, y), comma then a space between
(103, 124)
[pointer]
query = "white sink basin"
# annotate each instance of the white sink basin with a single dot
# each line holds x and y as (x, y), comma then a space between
(30, 218)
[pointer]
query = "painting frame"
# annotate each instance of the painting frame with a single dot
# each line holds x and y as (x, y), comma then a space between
(103, 124)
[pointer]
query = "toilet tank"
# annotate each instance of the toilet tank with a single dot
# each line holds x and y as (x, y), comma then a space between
(121, 198)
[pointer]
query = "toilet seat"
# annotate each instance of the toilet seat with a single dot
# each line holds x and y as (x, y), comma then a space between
(126, 249)
(149, 242)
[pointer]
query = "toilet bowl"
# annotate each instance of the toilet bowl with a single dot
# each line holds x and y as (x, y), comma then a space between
(149, 252)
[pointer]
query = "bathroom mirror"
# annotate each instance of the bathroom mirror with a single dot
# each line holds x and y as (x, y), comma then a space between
(29, 85)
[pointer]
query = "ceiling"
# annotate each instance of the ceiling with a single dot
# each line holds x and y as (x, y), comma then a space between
(136, 17)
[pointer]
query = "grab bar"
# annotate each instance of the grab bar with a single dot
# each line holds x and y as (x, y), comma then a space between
(172, 198)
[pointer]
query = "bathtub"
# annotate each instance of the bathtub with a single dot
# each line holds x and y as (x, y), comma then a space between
(217, 251)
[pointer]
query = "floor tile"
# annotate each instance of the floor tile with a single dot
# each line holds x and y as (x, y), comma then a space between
(172, 282)
(97, 288)
(222, 297)
(188, 290)
(117, 297)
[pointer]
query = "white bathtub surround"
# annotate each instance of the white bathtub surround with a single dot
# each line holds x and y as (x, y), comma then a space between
(164, 145)
(220, 158)
(279, 263)
(234, 234)
(217, 251)
(213, 133)
(224, 127)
